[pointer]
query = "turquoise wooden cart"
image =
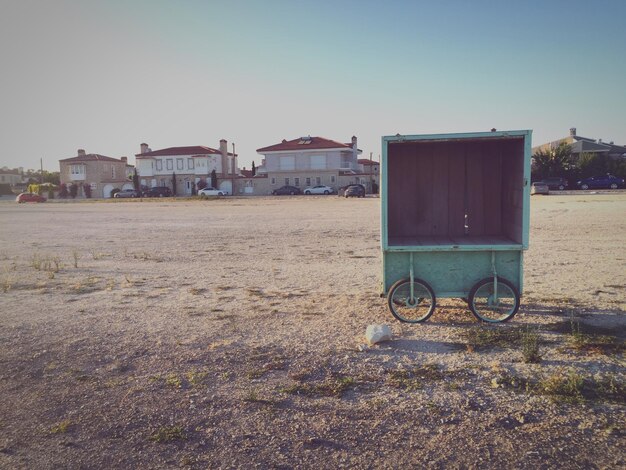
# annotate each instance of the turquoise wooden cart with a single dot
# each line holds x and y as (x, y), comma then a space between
(455, 221)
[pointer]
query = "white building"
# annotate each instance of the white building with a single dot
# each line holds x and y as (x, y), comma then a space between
(188, 165)
(310, 161)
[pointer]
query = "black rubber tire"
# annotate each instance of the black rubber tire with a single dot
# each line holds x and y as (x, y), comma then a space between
(396, 286)
(292, 193)
(613, 186)
(584, 186)
(487, 280)
(561, 188)
(326, 193)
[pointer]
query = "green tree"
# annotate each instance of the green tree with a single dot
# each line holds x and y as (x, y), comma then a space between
(253, 169)
(174, 183)
(135, 180)
(214, 179)
(553, 161)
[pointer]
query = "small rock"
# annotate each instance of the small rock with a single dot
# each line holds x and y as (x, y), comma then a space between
(377, 333)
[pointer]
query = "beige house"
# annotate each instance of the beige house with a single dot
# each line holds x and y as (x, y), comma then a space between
(103, 174)
(310, 161)
(189, 166)
(580, 145)
(11, 176)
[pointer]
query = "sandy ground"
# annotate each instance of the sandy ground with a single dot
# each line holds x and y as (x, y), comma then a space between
(228, 333)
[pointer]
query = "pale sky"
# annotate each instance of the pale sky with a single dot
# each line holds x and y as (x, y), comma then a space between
(107, 75)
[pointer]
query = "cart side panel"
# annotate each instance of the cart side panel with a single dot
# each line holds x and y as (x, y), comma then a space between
(513, 184)
(452, 274)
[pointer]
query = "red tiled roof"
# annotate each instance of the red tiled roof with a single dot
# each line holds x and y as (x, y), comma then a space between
(90, 157)
(191, 150)
(366, 161)
(246, 173)
(316, 143)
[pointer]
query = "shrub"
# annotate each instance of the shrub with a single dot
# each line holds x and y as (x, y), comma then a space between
(73, 189)
(87, 189)
(63, 193)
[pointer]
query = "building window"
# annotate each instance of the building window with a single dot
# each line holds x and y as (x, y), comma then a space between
(346, 161)
(273, 181)
(332, 179)
(286, 181)
(318, 162)
(296, 181)
(308, 181)
(113, 172)
(169, 163)
(159, 164)
(180, 164)
(288, 163)
(318, 180)
(190, 163)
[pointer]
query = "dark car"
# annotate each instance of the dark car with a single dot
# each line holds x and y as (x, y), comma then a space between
(127, 193)
(285, 190)
(158, 191)
(29, 197)
(354, 190)
(601, 182)
(555, 183)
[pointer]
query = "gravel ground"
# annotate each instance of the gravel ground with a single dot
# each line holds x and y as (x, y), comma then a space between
(228, 333)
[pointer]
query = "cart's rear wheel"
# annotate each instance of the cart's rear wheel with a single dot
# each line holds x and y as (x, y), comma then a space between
(415, 310)
(492, 307)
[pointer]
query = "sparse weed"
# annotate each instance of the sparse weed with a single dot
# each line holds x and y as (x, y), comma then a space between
(173, 380)
(332, 387)
(196, 378)
(481, 337)
(97, 255)
(597, 344)
(75, 257)
(403, 379)
(562, 387)
(7, 283)
(530, 346)
(61, 428)
(168, 434)
(35, 261)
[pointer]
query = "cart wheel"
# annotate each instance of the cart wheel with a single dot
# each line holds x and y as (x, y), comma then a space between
(408, 310)
(489, 309)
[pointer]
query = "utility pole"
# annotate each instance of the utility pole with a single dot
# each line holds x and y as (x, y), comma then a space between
(371, 175)
(234, 169)
(41, 165)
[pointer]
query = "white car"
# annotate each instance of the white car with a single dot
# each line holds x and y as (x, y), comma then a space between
(212, 192)
(320, 189)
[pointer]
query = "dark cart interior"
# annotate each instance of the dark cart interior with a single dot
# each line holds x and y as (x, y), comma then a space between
(456, 192)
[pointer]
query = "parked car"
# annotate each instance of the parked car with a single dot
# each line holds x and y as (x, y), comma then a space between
(127, 193)
(555, 183)
(354, 190)
(286, 190)
(29, 197)
(539, 187)
(320, 189)
(601, 182)
(158, 191)
(212, 192)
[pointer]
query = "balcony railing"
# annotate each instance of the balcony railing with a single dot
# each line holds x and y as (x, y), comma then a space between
(77, 176)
